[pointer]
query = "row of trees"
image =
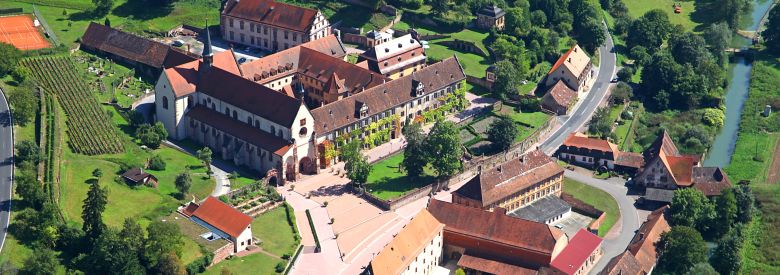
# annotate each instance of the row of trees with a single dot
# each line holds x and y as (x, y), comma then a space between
(694, 219)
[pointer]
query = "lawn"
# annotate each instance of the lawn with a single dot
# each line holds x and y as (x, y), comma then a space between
(688, 18)
(257, 263)
(348, 15)
(599, 199)
(133, 16)
(625, 132)
(276, 235)
(386, 182)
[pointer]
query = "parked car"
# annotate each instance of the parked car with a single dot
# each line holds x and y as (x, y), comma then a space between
(559, 226)
(178, 43)
(614, 80)
(241, 60)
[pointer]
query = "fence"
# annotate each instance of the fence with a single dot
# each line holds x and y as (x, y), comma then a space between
(47, 30)
(11, 11)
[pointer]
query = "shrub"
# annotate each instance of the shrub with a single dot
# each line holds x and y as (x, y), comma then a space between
(529, 105)
(713, 117)
(280, 267)
(157, 163)
(286, 256)
(625, 74)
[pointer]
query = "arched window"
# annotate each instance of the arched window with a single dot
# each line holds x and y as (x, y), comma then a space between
(273, 129)
(227, 111)
(165, 102)
(235, 115)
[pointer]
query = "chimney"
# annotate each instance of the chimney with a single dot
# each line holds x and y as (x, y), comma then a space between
(498, 168)
(569, 59)
(641, 236)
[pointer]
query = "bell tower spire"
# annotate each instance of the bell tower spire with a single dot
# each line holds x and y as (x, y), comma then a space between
(208, 55)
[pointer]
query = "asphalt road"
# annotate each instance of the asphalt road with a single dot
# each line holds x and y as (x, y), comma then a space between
(6, 166)
(581, 115)
(629, 221)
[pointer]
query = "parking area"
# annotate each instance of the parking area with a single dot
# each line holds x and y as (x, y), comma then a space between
(570, 225)
(194, 44)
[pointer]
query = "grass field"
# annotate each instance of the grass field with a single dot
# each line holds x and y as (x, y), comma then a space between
(134, 16)
(386, 182)
(349, 15)
(257, 263)
(273, 231)
(687, 18)
(599, 199)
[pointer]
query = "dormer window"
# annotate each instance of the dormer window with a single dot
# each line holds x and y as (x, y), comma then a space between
(419, 89)
(363, 111)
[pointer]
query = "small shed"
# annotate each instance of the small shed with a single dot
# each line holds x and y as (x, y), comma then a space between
(137, 176)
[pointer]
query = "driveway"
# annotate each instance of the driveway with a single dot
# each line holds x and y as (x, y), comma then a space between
(620, 236)
(6, 167)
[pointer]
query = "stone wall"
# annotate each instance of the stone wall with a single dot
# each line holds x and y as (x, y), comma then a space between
(222, 253)
(466, 46)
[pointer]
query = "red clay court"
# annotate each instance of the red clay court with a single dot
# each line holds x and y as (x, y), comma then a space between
(18, 30)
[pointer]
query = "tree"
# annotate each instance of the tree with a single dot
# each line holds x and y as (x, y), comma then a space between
(9, 58)
(702, 269)
(150, 135)
(351, 151)
(640, 55)
(92, 212)
(42, 262)
(102, 7)
(745, 203)
(622, 93)
(502, 133)
(650, 30)
(28, 187)
(679, 249)
(157, 163)
(27, 150)
(358, 170)
(726, 214)
(727, 258)
(107, 22)
(691, 208)
(132, 235)
(445, 149)
(688, 48)
(625, 73)
(183, 183)
(771, 34)
(440, 6)
(170, 264)
(97, 173)
(415, 155)
(718, 37)
(600, 125)
(729, 11)
(24, 103)
(518, 20)
(20, 73)
(204, 155)
(110, 255)
(163, 238)
(506, 79)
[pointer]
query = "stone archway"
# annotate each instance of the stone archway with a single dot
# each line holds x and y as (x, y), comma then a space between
(273, 177)
(307, 166)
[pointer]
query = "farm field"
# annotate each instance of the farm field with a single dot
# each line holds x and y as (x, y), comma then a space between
(386, 182)
(89, 130)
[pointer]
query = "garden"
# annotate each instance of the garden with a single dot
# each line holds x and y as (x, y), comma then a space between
(474, 135)
(113, 82)
(388, 181)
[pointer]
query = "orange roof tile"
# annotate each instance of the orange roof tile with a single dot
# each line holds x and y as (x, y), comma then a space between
(222, 216)
(582, 141)
(643, 246)
(407, 245)
(273, 13)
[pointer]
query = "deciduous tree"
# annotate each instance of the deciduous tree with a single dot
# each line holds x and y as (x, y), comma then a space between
(771, 34)
(183, 183)
(42, 262)
(204, 155)
(691, 208)
(726, 217)
(163, 238)
(24, 103)
(506, 79)
(502, 133)
(680, 248)
(718, 37)
(727, 258)
(415, 155)
(9, 58)
(650, 30)
(445, 149)
(702, 269)
(28, 151)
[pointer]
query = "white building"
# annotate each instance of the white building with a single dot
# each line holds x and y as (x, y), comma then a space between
(223, 221)
(417, 249)
(271, 25)
(574, 68)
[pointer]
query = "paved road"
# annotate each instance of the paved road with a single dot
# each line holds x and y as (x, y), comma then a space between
(629, 217)
(6, 167)
(582, 114)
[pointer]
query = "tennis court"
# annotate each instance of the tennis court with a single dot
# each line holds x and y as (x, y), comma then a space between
(18, 30)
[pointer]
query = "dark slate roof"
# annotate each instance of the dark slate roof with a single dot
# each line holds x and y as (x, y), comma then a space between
(272, 13)
(492, 11)
(136, 174)
(240, 130)
(387, 95)
(710, 180)
(494, 184)
(543, 209)
(250, 96)
(126, 45)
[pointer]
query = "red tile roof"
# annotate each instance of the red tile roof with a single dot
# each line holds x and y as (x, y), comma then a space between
(643, 246)
(623, 264)
(682, 168)
(559, 95)
(490, 266)
(222, 216)
(575, 59)
(384, 96)
(240, 130)
(508, 178)
(574, 255)
(189, 209)
(272, 13)
(407, 244)
(496, 226)
(184, 78)
(581, 141)
(710, 180)
(630, 159)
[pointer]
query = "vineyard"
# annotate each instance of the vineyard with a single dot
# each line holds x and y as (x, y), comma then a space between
(89, 128)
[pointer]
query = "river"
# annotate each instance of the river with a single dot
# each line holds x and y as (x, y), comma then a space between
(739, 84)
